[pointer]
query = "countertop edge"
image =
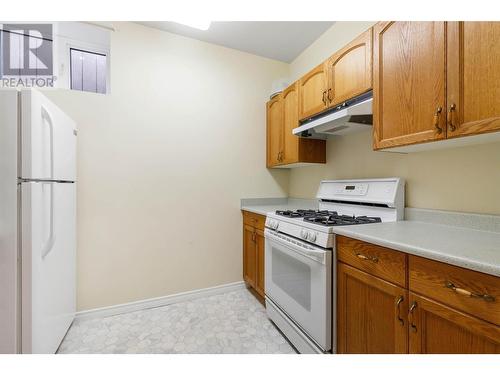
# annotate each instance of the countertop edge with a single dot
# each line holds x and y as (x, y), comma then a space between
(424, 253)
(253, 210)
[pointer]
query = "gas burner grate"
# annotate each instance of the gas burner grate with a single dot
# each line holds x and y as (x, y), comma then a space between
(303, 213)
(335, 219)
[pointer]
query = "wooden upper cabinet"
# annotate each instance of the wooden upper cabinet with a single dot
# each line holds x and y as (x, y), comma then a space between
(312, 91)
(438, 329)
(290, 121)
(408, 83)
(350, 70)
(371, 314)
(473, 78)
(274, 131)
(284, 149)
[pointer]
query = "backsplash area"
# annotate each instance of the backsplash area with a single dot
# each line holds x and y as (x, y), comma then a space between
(464, 179)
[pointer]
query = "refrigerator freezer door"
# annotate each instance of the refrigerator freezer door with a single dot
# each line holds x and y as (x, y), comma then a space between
(48, 264)
(48, 146)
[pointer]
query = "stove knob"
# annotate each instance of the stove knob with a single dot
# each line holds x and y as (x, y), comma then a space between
(303, 234)
(311, 236)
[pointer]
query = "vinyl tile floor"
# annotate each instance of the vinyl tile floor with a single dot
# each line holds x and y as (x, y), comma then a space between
(232, 323)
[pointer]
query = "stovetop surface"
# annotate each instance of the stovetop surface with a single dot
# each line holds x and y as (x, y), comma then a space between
(328, 218)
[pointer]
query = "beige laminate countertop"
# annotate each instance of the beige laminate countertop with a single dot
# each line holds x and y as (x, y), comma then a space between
(468, 248)
(465, 240)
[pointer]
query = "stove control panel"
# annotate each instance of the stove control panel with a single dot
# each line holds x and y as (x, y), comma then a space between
(308, 235)
(273, 224)
(355, 189)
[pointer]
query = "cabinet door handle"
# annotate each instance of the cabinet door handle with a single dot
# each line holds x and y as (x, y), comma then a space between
(410, 316)
(437, 115)
(366, 257)
(398, 306)
(280, 156)
(451, 114)
(323, 99)
(329, 97)
(466, 293)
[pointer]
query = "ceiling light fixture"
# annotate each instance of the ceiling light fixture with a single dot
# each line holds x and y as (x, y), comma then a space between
(196, 24)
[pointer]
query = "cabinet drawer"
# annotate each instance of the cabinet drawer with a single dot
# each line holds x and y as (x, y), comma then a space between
(469, 291)
(378, 261)
(254, 220)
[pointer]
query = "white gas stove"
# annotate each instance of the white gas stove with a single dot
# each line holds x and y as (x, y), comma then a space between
(300, 254)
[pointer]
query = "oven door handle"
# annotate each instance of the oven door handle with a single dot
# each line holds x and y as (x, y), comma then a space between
(316, 255)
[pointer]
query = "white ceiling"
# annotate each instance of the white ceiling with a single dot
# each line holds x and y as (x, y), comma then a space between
(279, 40)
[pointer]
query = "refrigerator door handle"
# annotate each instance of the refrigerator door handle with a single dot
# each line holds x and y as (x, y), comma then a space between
(48, 119)
(49, 244)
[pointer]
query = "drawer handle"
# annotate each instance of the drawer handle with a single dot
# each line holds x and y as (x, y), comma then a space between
(365, 257)
(464, 292)
(398, 306)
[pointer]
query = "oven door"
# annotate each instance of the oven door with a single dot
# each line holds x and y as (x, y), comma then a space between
(298, 281)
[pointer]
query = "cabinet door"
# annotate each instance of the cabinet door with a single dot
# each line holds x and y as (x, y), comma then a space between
(259, 249)
(473, 78)
(350, 70)
(290, 121)
(274, 130)
(312, 92)
(249, 256)
(371, 314)
(409, 83)
(438, 329)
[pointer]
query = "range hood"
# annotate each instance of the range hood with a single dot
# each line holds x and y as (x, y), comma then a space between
(353, 115)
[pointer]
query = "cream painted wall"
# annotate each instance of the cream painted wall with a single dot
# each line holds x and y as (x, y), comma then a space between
(163, 162)
(461, 179)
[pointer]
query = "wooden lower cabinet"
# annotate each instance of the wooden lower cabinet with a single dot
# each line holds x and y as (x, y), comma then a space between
(438, 329)
(249, 256)
(441, 309)
(371, 314)
(253, 252)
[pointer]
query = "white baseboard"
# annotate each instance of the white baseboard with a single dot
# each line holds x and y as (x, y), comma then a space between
(158, 301)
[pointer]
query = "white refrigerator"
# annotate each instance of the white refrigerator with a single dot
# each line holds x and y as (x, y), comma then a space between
(37, 222)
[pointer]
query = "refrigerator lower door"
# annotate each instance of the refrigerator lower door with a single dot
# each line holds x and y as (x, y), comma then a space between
(48, 250)
(48, 139)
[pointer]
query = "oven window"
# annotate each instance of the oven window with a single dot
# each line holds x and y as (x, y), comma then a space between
(293, 277)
